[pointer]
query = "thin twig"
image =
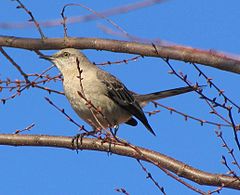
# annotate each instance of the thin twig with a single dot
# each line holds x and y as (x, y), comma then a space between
(15, 64)
(81, 127)
(21, 5)
(220, 92)
(186, 116)
(122, 190)
(230, 151)
(183, 182)
(28, 128)
(149, 176)
(214, 111)
(49, 90)
(94, 12)
(118, 62)
(213, 101)
(230, 171)
(20, 89)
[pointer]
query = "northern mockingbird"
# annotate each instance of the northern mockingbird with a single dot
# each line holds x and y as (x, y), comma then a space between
(98, 97)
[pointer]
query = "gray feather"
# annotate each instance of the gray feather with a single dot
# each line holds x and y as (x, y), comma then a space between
(144, 99)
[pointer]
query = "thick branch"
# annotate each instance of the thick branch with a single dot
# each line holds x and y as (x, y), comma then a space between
(187, 54)
(155, 158)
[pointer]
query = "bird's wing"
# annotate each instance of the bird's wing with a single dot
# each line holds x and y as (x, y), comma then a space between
(123, 97)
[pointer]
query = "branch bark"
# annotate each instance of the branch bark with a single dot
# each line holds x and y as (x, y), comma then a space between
(160, 160)
(187, 54)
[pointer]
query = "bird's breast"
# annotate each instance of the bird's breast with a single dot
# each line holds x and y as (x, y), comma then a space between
(89, 99)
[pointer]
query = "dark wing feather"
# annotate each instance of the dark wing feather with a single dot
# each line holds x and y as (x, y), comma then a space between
(132, 122)
(123, 97)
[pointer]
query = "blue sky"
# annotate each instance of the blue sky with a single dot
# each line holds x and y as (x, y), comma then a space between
(201, 24)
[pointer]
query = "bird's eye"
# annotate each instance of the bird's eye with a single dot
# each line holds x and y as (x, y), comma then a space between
(66, 54)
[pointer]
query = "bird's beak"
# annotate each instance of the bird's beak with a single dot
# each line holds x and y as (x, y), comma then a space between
(45, 57)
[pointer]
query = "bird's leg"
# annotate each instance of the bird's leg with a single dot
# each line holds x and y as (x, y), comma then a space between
(110, 137)
(114, 133)
(114, 130)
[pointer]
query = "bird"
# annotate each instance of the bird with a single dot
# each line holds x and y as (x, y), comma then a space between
(98, 97)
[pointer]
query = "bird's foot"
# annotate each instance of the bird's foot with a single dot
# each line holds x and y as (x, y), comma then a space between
(79, 138)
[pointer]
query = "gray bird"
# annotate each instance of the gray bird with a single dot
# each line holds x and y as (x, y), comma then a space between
(98, 97)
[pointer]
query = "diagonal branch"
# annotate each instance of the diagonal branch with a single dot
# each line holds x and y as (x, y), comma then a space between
(15, 65)
(158, 159)
(206, 57)
(32, 18)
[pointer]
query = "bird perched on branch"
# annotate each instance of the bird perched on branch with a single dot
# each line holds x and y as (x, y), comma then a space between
(98, 97)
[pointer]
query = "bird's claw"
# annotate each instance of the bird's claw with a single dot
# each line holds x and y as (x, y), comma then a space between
(79, 137)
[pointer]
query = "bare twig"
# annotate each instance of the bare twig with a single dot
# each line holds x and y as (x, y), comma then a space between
(95, 13)
(32, 19)
(149, 176)
(217, 190)
(212, 84)
(230, 171)
(81, 127)
(214, 111)
(183, 182)
(186, 116)
(122, 190)
(213, 101)
(28, 128)
(27, 85)
(49, 90)
(64, 20)
(230, 151)
(118, 62)
(15, 64)
(235, 128)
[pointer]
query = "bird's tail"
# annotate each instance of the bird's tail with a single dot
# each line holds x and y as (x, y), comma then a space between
(144, 99)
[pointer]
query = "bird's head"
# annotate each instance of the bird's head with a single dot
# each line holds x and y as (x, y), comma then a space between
(67, 59)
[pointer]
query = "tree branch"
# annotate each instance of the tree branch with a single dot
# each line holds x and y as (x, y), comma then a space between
(160, 160)
(187, 54)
